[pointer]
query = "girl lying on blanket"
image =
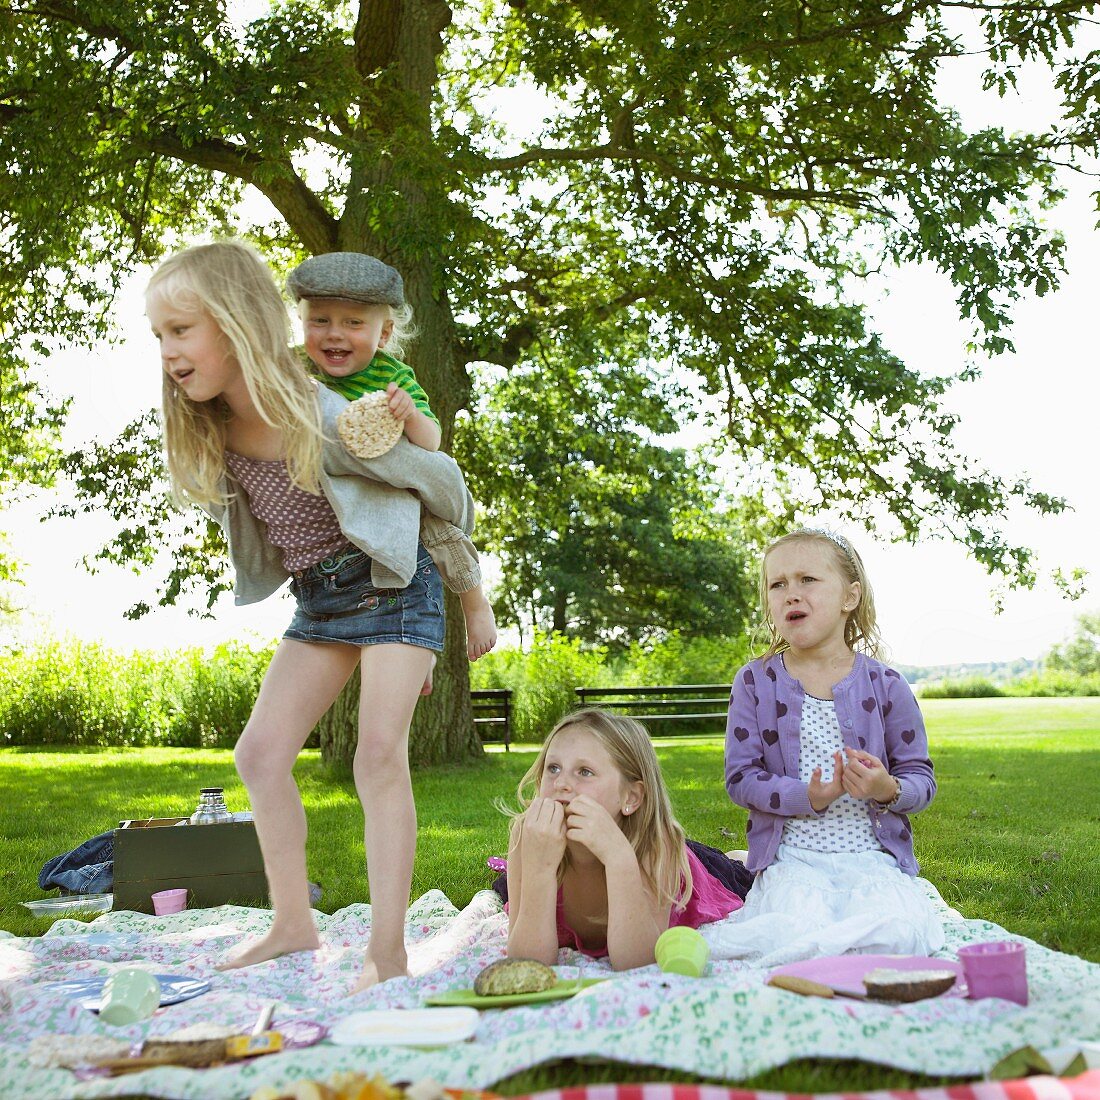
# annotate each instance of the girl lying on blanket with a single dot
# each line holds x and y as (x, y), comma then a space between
(826, 748)
(596, 860)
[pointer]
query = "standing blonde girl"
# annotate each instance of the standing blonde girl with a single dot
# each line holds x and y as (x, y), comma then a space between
(252, 440)
(825, 747)
(596, 859)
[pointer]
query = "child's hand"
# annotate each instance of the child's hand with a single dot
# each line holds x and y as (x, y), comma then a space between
(865, 776)
(543, 836)
(401, 404)
(822, 794)
(588, 823)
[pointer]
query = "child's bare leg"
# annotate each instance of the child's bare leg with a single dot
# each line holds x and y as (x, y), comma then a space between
(481, 623)
(299, 687)
(427, 688)
(391, 677)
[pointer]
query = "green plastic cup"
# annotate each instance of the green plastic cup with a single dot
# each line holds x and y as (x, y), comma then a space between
(682, 950)
(129, 995)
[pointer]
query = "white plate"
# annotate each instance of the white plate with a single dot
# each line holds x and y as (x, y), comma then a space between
(174, 988)
(409, 1027)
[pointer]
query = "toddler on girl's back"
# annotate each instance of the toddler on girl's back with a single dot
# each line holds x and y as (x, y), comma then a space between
(596, 859)
(352, 307)
(826, 748)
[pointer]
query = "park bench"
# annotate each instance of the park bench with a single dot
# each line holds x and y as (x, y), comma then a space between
(666, 710)
(492, 709)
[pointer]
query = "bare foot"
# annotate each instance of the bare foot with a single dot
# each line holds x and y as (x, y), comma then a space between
(427, 688)
(481, 627)
(374, 974)
(272, 946)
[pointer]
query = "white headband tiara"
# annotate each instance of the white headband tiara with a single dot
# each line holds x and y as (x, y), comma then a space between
(832, 536)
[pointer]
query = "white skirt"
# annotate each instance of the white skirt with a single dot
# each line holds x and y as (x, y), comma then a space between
(808, 904)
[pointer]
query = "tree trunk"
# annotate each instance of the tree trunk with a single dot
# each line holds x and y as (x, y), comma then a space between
(443, 727)
(561, 609)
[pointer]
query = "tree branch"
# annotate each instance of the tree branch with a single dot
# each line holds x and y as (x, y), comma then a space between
(306, 215)
(539, 154)
(71, 14)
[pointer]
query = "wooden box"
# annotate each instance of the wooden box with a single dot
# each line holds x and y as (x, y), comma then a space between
(217, 864)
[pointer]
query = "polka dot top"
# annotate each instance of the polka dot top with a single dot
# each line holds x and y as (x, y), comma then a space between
(846, 825)
(300, 524)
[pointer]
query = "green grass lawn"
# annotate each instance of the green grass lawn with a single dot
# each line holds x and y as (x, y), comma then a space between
(1011, 836)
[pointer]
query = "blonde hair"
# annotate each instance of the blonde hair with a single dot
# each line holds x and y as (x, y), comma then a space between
(403, 334)
(861, 628)
(404, 331)
(653, 831)
(230, 281)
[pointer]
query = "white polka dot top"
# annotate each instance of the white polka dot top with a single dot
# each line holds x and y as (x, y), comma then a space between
(300, 524)
(846, 825)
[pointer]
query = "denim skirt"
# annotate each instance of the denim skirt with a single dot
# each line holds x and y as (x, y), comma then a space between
(337, 602)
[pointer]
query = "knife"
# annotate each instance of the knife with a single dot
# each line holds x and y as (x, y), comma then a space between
(808, 988)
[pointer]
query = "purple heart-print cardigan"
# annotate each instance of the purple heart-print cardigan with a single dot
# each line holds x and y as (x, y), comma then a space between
(877, 713)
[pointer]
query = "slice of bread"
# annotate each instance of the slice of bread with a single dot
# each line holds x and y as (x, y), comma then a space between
(907, 985)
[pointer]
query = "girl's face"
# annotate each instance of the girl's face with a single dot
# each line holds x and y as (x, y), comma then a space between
(342, 337)
(808, 600)
(577, 763)
(194, 352)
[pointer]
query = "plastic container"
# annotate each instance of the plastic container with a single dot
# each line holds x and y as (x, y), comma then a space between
(169, 901)
(129, 995)
(70, 903)
(995, 969)
(682, 950)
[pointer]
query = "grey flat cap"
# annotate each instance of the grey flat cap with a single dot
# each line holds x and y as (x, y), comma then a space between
(352, 276)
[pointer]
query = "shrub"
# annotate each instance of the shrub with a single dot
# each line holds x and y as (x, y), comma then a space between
(973, 688)
(1054, 682)
(544, 679)
(76, 693)
(214, 694)
(680, 660)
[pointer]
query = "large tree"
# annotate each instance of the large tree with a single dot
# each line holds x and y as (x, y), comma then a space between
(602, 531)
(709, 182)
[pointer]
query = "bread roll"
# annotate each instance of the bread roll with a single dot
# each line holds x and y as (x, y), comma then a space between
(510, 976)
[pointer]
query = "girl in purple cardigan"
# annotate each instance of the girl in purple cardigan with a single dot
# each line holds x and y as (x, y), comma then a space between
(825, 747)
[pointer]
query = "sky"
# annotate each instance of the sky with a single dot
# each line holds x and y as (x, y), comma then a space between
(1033, 413)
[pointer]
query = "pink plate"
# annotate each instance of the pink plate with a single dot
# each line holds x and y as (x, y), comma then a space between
(846, 972)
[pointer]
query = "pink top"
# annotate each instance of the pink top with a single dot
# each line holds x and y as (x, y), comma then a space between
(303, 526)
(709, 901)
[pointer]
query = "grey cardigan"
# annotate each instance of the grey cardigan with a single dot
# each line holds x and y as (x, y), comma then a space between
(377, 502)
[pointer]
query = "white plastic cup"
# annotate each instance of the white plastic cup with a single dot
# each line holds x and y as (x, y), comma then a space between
(129, 995)
(169, 901)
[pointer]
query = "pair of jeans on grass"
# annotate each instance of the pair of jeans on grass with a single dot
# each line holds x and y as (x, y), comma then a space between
(87, 869)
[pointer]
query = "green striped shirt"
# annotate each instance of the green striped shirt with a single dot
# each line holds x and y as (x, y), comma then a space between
(375, 377)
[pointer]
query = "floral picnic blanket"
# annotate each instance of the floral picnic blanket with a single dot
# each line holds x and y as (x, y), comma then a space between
(726, 1025)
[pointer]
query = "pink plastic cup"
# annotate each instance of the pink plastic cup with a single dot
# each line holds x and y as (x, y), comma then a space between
(996, 969)
(169, 901)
